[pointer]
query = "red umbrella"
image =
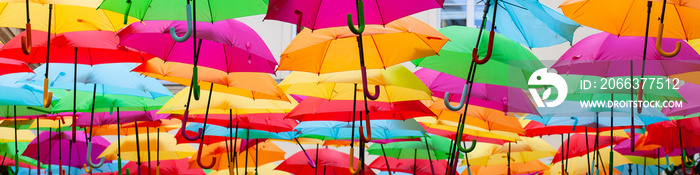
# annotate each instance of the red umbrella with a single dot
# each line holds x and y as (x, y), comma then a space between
(582, 144)
(534, 129)
(168, 167)
(272, 122)
(465, 137)
(314, 109)
(8, 66)
(667, 134)
(330, 162)
(411, 166)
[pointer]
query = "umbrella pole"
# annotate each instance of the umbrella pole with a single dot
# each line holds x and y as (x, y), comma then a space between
(138, 149)
(316, 169)
(60, 160)
(158, 152)
(119, 143)
(247, 142)
(48, 170)
(256, 156)
(38, 155)
(568, 144)
(230, 144)
(588, 151)
(17, 149)
(386, 160)
(658, 160)
(148, 147)
(47, 95)
(235, 147)
(597, 137)
(352, 169)
(415, 158)
(432, 169)
(612, 112)
(194, 88)
(201, 136)
(644, 58)
(562, 156)
(645, 166)
(228, 155)
(75, 92)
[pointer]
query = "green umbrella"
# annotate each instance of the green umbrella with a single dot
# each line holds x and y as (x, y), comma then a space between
(207, 10)
(7, 110)
(31, 124)
(105, 102)
(8, 150)
(436, 149)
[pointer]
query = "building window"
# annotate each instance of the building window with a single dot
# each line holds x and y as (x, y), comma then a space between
(461, 12)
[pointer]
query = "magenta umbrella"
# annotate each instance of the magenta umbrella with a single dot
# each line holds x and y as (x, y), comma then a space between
(607, 55)
(227, 45)
(691, 107)
(58, 143)
(624, 149)
(503, 98)
(318, 14)
(104, 118)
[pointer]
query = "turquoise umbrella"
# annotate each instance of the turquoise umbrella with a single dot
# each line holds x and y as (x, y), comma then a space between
(385, 130)
(532, 24)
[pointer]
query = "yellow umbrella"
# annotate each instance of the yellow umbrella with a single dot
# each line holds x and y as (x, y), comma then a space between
(579, 165)
(221, 103)
(529, 149)
(482, 117)
(396, 84)
(22, 135)
(264, 169)
(32, 123)
(432, 123)
(169, 149)
(267, 151)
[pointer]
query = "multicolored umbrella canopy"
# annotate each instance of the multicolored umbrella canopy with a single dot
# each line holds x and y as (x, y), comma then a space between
(581, 144)
(333, 49)
(67, 16)
(227, 45)
(690, 108)
(221, 103)
(529, 168)
(382, 130)
(329, 162)
(13, 66)
(414, 149)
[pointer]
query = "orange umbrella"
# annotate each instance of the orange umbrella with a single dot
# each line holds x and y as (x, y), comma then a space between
(481, 117)
(267, 152)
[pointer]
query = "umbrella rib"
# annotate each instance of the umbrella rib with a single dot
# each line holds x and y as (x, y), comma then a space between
(379, 53)
(517, 23)
(144, 13)
(318, 10)
(379, 10)
(211, 15)
(624, 21)
(223, 46)
(681, 21)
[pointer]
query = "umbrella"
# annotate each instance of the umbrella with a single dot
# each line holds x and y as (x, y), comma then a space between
(208, 10)
(533, 24)
(165, 144)
(478, 117)
(531, 167)
(690, 108)
(630, 169)
(330, 161)
(10, 66)
(215, 133)
(578, 164)
(315, 14)
(578, 145)
(503, 98)
(129, 128)
(412, 166)
(395, 83)
(529, 149)
(68, 149)
(382, 130)
(105, 118)
(237, 83)
(263, 169)
(427, 148)
(262, 153)
(672, 134)
(271, 122)
(222, 102)
(318, 109)
(174, 166)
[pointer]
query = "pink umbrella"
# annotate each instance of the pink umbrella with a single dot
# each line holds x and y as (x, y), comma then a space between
(318, 14)
(180, 167)
(413, 166)
(328, 162)
(503, 98)
(227, 45)
(75, 154)
(319, 109)
(607, 55)
(691, 107)
(104, 118)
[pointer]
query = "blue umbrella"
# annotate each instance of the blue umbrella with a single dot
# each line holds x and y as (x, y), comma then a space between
(115, 78)
(534, 25)
(381, 129)
(216, 130)
(640, 169)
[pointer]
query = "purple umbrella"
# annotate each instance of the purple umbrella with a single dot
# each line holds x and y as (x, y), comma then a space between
(691, 95)
(607, 55)
(318, 14)
(104, 118)
(503, 98)
(49, 144)
(227, 45)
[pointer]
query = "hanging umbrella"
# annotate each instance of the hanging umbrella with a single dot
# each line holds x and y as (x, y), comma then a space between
(527, 150)
(578, 164)
(330, 161)
(126, 116)
(169, 149)
(382, 130)
(319, 109)
(78, 149)
(263, 169)
(533, 24)
(271, 122)
(690, 108)
(174, 166)
(640, 169)
(267, 152)
(581, 144)
(479, 117)
(478, 134)
(106, 102)
(10, 66)
(412, 166)
(129, 128)
(215, 133)
(43, 124)
(223, 82)
(208, 10)
(427, 148)
(503, 98)
(531, 167)
(672, 134)
(222, 102)
(316, 15)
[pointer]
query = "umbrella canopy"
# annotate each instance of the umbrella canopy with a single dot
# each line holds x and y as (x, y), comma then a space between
(227, 45)
(690, 108)
(267, 152)
(126, 117)
(25, 95)
(221, 103)
(128, 128)
(93, 47)
(318, 109)
(262, 169)
(503, 98)
(105, 102)
(247, 84)
(533, 24)
(419, 166)
(382, 130)
(329, 162)
(316, 14)
(581, 144)
(67, 16)
(216, 133)
(477, 117)
(206, 10)
(272, 122)
(175, 166)
(579, 165)
(9, 66)
(608, 55)
(334, 49)
(396, 84)
(77, 151)
(529, 149)
(434, 148)
(627, 18)
(531, 167)
(669, 133)
(640, 169)
(169, 149)
(571, 112)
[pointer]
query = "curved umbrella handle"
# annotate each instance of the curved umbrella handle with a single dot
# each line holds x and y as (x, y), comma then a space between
(460, 132)
(661, 51)
(475, 51)
(126, 13)
(639, 96)
(360, 18)
(354, 169)
(48, 96)
(196, 90)
(575, 123)
(183, 131)
(189, 27)
(63, 120)
(199, 157)
(369, 130)
(461, 100)
(364, 86)
(15, 171)
(87, 168)
(301, 14)
(27, 40)
(89, 160)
